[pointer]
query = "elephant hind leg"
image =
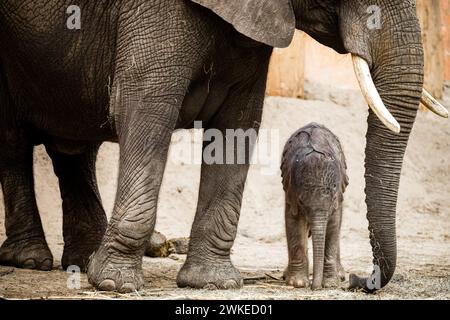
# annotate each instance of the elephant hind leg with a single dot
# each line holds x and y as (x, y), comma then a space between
(84, 219)
(25, 245)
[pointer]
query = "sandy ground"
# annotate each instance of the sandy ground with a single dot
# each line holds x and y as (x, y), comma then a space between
(260, 252)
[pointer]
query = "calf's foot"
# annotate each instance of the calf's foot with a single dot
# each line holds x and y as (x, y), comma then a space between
(333, 275)
(331, 281)
(296, 278)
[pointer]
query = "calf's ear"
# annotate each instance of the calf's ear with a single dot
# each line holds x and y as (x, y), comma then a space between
(268, 21)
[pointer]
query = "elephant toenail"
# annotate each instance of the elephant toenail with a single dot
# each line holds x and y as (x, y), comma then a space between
(127, 288)
(210, 286)
(230, 284)
(46, 265)
(107, 285)
(29, 264)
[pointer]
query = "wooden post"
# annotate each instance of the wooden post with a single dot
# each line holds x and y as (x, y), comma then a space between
(430, 19)
(445, 14)
(286, 71)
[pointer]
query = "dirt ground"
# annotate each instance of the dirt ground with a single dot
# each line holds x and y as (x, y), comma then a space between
(260, 252)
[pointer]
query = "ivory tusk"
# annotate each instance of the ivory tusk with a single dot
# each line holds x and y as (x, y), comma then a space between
(371, 94)
(432, 104)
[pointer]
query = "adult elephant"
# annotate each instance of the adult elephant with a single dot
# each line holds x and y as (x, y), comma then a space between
(137, 70)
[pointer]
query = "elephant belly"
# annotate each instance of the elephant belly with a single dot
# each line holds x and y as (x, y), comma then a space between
(202, 102)
(64, 146)
(61, 107)
(58, 78)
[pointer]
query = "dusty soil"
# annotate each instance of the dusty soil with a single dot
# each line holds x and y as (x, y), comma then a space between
(260, 250)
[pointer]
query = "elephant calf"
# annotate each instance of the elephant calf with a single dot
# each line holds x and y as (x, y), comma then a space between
(314, 180)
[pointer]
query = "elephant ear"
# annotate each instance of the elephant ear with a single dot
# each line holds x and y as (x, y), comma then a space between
(268, 21)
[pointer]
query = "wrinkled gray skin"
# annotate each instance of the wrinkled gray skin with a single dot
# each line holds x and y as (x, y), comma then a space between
(138, 70)
(314, 180)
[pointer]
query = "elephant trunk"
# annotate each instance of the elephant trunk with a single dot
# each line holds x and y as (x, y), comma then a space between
(397, 72)
(318, 228)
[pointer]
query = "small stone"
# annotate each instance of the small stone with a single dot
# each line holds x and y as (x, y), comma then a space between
(179, 245)
(158, 246)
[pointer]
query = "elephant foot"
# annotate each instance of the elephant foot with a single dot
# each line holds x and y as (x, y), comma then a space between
(78, 255)
(333, 274)
(331, 281)
(78, 249)
(27, 254)
(207, 275)
(111, 271)
(296, 279)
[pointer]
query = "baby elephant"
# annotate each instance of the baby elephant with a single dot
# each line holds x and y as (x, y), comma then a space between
(314, 180)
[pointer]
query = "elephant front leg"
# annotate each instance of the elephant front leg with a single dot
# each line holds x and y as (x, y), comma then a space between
(84, 219)
(333, 270)
(208, 263)
(144, 137)
(25, 245)
(297, 272)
